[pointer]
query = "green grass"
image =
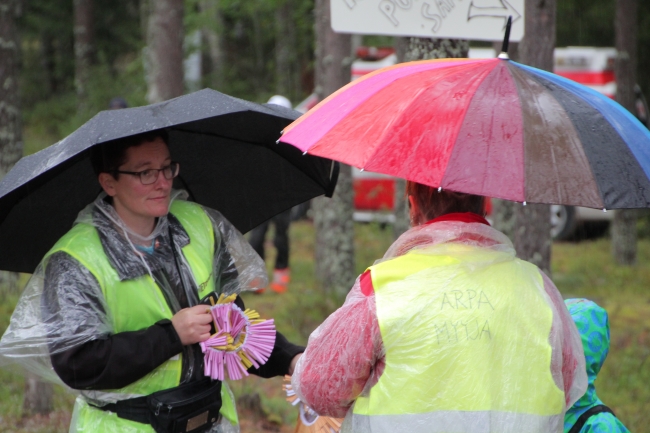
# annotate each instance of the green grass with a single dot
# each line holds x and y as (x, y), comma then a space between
(586, 270)
(582, 269)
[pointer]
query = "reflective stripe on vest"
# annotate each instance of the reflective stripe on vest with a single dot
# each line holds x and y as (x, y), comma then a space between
(465, 332)
(139, 303)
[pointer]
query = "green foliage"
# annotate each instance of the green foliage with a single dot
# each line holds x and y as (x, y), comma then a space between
(248, 32)
(585, 23)
(51, 119)
(48, 98)
(591, 23)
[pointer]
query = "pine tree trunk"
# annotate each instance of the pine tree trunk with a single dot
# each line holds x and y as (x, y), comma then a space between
(83, 50)
(286, 67)
(624, 234)
(260, 77)
(532, 235)
(213, 37)
(333, 217)
(408, 49)
(165, 50)
(503, 216)
(38, 395)
(48, 62)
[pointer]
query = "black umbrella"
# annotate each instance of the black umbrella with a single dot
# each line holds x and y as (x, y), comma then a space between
(226, 148)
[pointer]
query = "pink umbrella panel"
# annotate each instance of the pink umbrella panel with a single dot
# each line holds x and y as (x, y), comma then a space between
(491, 127)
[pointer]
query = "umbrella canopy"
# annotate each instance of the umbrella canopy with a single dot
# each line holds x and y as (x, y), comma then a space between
(491, 127)
(227, 152)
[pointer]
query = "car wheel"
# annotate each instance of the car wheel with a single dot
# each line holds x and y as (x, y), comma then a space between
(563, 222)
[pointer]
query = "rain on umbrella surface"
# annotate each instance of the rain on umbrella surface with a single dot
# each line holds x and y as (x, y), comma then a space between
(491, 127)
(227, 153)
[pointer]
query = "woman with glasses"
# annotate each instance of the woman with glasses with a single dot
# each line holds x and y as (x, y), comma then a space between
(124, 291)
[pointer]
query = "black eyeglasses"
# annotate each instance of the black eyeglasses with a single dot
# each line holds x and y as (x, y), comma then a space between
(150, 175)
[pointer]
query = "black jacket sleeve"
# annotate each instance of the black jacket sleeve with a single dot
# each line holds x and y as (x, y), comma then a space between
(280, 359)
(281, 356)
(117, 360)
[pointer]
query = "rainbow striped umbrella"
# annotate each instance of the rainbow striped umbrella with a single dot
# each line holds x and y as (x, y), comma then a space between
(491, 127)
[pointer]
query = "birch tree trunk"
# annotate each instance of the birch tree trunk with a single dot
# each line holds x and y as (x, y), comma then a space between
(11, 141)
(38, 395)
(165, 50)
(334, 253)
(532, 234)
(83, 50)
(408, 49)
(624, 234)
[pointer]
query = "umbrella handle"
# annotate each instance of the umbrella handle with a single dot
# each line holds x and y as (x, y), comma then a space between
(334, 177)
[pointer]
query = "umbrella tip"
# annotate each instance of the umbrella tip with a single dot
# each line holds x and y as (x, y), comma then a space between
(506, 39)
(503, 56)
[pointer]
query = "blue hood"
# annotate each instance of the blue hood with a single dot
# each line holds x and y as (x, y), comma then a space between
(593, 325)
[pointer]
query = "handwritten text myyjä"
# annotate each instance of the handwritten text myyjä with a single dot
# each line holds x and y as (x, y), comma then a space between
(455, 331)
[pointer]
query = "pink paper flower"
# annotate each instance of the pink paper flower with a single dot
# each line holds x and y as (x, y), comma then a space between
(241, 340)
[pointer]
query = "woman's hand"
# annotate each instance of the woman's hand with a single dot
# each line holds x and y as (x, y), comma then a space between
(193, 324)
(294, 361)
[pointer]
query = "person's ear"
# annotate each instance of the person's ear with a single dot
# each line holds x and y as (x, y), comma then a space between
(107, 181)
(414, 211)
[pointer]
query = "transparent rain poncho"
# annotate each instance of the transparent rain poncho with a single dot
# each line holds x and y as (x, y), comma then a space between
(447, 332)
(62, 305)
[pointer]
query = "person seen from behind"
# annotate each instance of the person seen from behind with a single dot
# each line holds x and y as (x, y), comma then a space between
(448, 332)
(589, 414)
(281, 273)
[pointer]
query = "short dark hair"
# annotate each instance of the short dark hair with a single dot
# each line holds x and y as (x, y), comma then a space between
(433, 203)
(108, 157)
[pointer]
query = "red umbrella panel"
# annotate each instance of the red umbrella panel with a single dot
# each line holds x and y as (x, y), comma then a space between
(491, 127)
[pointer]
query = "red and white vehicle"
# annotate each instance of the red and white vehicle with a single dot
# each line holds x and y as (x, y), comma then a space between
(590, 66)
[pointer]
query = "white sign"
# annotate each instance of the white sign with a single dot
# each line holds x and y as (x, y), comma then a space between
(454, 19)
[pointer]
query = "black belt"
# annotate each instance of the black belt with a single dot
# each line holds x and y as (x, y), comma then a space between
(133, 409)
(190, 407)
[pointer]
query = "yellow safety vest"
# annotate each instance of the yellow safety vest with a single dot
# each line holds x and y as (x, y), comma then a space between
(139, 303)
(466, 338)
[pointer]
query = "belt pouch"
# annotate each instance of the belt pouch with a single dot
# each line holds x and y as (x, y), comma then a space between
(189, 408)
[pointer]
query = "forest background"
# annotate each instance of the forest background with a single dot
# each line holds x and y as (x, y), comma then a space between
(252, 50)
(249, 49)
